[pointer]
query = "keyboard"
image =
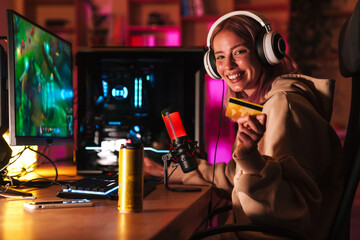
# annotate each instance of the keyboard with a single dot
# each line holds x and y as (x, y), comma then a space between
(97, 187)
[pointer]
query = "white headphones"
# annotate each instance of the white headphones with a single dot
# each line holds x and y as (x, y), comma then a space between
(270, 45)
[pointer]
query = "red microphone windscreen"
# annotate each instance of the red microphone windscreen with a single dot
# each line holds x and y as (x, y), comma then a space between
(174, 125)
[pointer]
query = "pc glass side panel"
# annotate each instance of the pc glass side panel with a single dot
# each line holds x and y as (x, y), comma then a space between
(121, 94)
(40, 84)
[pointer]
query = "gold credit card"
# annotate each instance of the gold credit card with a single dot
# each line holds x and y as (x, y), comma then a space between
(238, 108)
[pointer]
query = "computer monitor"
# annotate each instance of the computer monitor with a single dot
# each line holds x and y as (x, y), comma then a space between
(121, 93)
(40, 84)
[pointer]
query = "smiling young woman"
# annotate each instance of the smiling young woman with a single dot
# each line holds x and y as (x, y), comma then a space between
(286, 167)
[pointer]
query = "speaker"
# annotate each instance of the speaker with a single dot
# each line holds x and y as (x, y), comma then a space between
(4, 112)
(5, 154)
(270, 45)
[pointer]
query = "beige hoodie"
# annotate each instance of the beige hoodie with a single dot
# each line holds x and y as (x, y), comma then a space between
(301, 184)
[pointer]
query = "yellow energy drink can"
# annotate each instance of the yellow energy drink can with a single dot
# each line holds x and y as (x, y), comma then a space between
(131, 178)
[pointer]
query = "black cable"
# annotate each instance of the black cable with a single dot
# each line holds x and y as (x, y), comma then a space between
(39, 183)
(51, 161)
(46, 148)
(175, 167)
(215, 151)
(35, 182)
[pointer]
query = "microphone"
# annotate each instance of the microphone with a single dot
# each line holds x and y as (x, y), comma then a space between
(183, 150)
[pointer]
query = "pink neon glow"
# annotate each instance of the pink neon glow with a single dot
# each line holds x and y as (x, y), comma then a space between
(210, 24)
(214, 87)
(172, 38)
(223, 153)
(151, 40)
(212, 114)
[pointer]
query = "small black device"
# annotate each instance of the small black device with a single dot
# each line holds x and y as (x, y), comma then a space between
(5, 150)
(4, 112)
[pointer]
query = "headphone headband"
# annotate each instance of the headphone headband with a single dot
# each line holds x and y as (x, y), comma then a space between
(254, 15)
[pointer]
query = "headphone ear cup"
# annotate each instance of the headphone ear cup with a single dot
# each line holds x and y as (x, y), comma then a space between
(260, 47)
(270, 47)
(278, 45)
(210, 64)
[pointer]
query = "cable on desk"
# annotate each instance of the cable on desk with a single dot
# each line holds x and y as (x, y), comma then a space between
(19, 197)
(25, 196)
(51, 161)
(36, 182)
(39, 182)
(44, 150)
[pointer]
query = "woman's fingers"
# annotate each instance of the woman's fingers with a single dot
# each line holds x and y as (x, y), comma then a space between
(251, 130)
(253, 124)
(261, 118)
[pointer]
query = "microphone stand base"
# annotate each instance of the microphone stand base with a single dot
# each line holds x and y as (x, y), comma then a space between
(176, 189)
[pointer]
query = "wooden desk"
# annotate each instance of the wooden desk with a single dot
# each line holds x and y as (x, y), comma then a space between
(166, 215)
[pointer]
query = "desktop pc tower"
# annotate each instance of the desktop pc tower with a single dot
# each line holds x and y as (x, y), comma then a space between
(121, 92)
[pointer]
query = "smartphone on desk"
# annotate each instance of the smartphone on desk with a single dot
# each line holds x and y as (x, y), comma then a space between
(68, 203)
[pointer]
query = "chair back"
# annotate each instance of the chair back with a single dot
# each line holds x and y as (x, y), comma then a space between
(349, 62)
